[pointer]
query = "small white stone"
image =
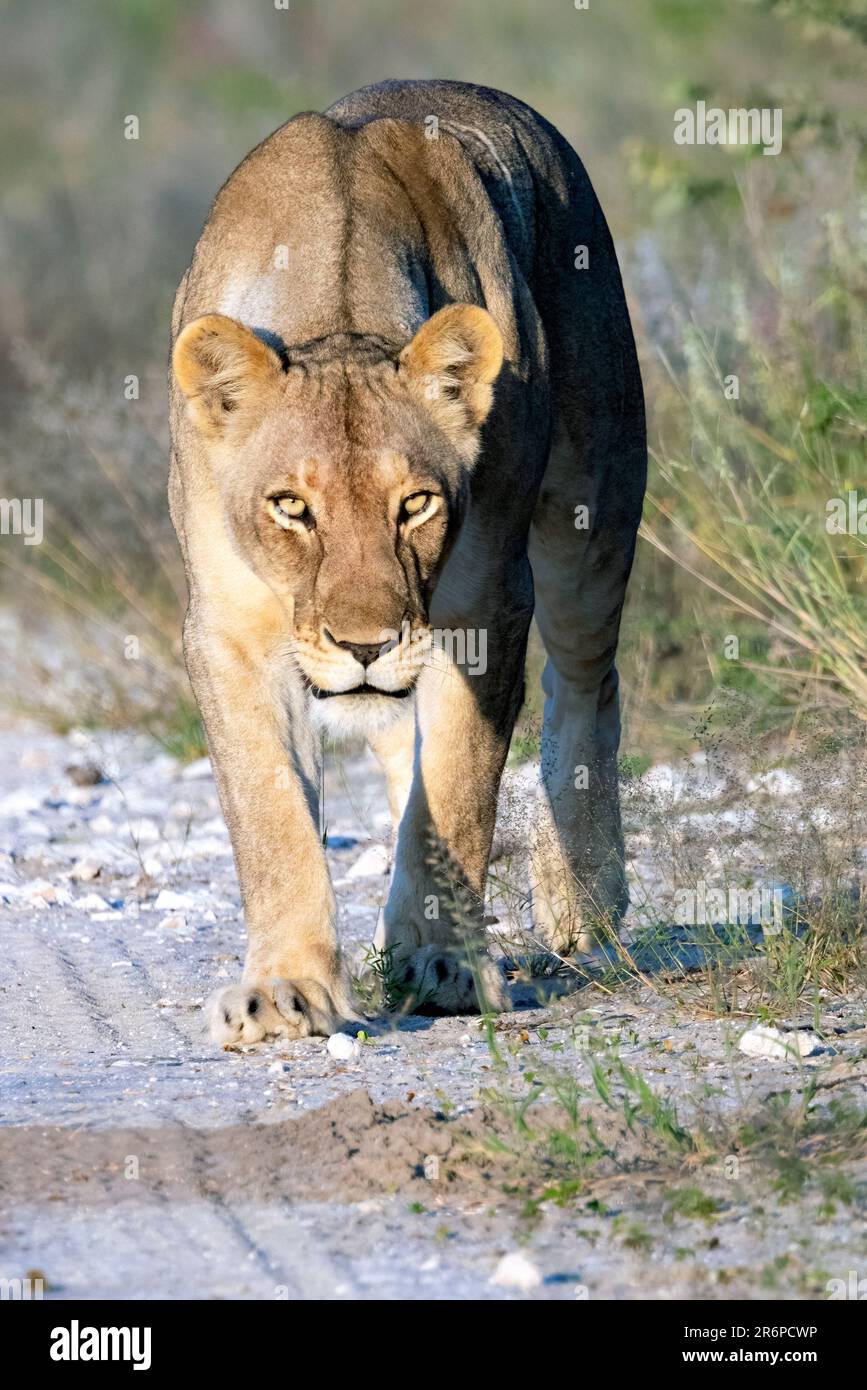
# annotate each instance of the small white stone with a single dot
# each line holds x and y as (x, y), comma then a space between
(278, 1068)
(342, 1047)
(20, 803)
(144, 831)
(85, 869)
(193, 771)
(371, 863)
(206, 846)
(92, 902)
(41, 894)
(176, 921)
(766, 1041)
(516, 1271)
(777, 782)
(664, 781)
(166, 901)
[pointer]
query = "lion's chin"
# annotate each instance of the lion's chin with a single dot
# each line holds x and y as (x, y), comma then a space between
(358, 714)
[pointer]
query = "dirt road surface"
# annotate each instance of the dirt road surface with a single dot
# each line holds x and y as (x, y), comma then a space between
(139, 1161)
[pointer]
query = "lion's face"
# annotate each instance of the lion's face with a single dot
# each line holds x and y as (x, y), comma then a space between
(344, 479)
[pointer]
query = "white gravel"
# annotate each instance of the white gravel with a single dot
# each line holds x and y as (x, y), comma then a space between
(119, 914)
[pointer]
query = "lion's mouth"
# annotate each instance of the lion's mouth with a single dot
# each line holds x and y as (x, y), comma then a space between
(319, 694)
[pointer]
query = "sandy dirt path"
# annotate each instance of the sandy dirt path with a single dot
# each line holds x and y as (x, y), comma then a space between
(134, 1159)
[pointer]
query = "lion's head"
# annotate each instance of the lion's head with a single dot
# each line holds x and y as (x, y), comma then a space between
(344, 467)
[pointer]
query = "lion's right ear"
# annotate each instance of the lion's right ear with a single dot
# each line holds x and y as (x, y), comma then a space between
(452, 364)
(225, 372)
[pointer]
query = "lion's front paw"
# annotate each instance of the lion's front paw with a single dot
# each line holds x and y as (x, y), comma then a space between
(242, 1014)
(281, 1009)
(439, 980)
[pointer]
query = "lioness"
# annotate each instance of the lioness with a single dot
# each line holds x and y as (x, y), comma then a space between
(405, 403)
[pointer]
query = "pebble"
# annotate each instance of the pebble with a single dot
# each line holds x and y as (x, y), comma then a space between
(20, 803)
(372, 862)
(40, 893)
(85, 774)
(516, 1271)
(777, 782)
(144, 831)
(342, 1047)
(167, 901)
(92, 902)
(193, 771)
(766, 1041)
(84, 870)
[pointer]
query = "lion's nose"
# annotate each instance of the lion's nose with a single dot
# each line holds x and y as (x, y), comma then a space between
(365, 652)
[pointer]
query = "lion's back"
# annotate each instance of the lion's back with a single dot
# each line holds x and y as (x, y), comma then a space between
(519, 156)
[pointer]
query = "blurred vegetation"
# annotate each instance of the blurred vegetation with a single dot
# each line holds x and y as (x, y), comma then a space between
(735, 264)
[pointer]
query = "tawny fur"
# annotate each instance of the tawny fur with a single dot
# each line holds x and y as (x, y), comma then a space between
(372, 316)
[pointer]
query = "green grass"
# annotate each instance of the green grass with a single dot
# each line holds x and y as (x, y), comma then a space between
(566, 1139)
(691, 1203)
(182, 733)
(379, 985)
(754, 261)
(740, 488)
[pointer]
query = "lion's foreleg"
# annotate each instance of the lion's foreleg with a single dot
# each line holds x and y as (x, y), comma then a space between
(466, 711)
(394, 749)
(267, 772)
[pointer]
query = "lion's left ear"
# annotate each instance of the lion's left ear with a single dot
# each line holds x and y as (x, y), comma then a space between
(452, 363)
(225, 372)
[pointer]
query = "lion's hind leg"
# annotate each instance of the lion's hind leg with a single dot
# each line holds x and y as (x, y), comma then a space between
(577, 861)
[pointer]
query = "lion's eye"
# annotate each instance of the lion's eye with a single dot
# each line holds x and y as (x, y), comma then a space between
(287, 509)
(418, 504)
